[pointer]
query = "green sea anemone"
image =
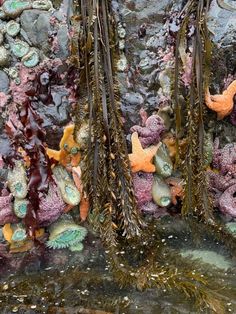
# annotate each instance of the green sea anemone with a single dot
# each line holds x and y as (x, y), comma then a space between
(19, 233)
(66, 234)
(20, 207)
(162, 161)
(31, 59)
(161, 192)
(19, 48)
(17, 181)
(12, 28)
(69, 192)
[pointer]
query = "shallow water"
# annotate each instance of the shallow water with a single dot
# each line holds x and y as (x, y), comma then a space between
(66, 282)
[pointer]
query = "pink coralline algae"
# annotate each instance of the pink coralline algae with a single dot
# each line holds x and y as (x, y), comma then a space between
(224, 159)
(143, 187)
(151, 133)
(218, 184)
(227, 201)
(6, 212)
(51, 206)
(4, 99)
(187, 70)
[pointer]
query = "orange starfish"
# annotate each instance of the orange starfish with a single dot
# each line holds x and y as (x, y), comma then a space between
(84, 203)
(221, 104)
(141, 159)
(68, 155)
(170, 142)
(176, 188)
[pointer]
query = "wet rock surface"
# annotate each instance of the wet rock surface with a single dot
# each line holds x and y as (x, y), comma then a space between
(36, 26)
(222, 24)
(4, 82)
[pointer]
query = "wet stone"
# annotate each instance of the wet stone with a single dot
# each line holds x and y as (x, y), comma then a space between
(36, 26)
(4, 82)
(133, 99)
(63, 42)
(222, 24)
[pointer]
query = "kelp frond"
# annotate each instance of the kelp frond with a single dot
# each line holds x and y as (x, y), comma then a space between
(110, 186)
(197, 200)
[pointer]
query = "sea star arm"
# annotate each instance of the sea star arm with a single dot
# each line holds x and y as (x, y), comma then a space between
(136, 145)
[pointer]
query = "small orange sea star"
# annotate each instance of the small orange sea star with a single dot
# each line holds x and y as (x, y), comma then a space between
(176, 188)
(68, 155)
(221, 104)
(141, 159)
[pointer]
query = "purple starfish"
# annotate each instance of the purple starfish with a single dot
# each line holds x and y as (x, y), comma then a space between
(150, 134)
(51, 206)
(6, 213)
(143, 187)
(227, 201)
(224, 158)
